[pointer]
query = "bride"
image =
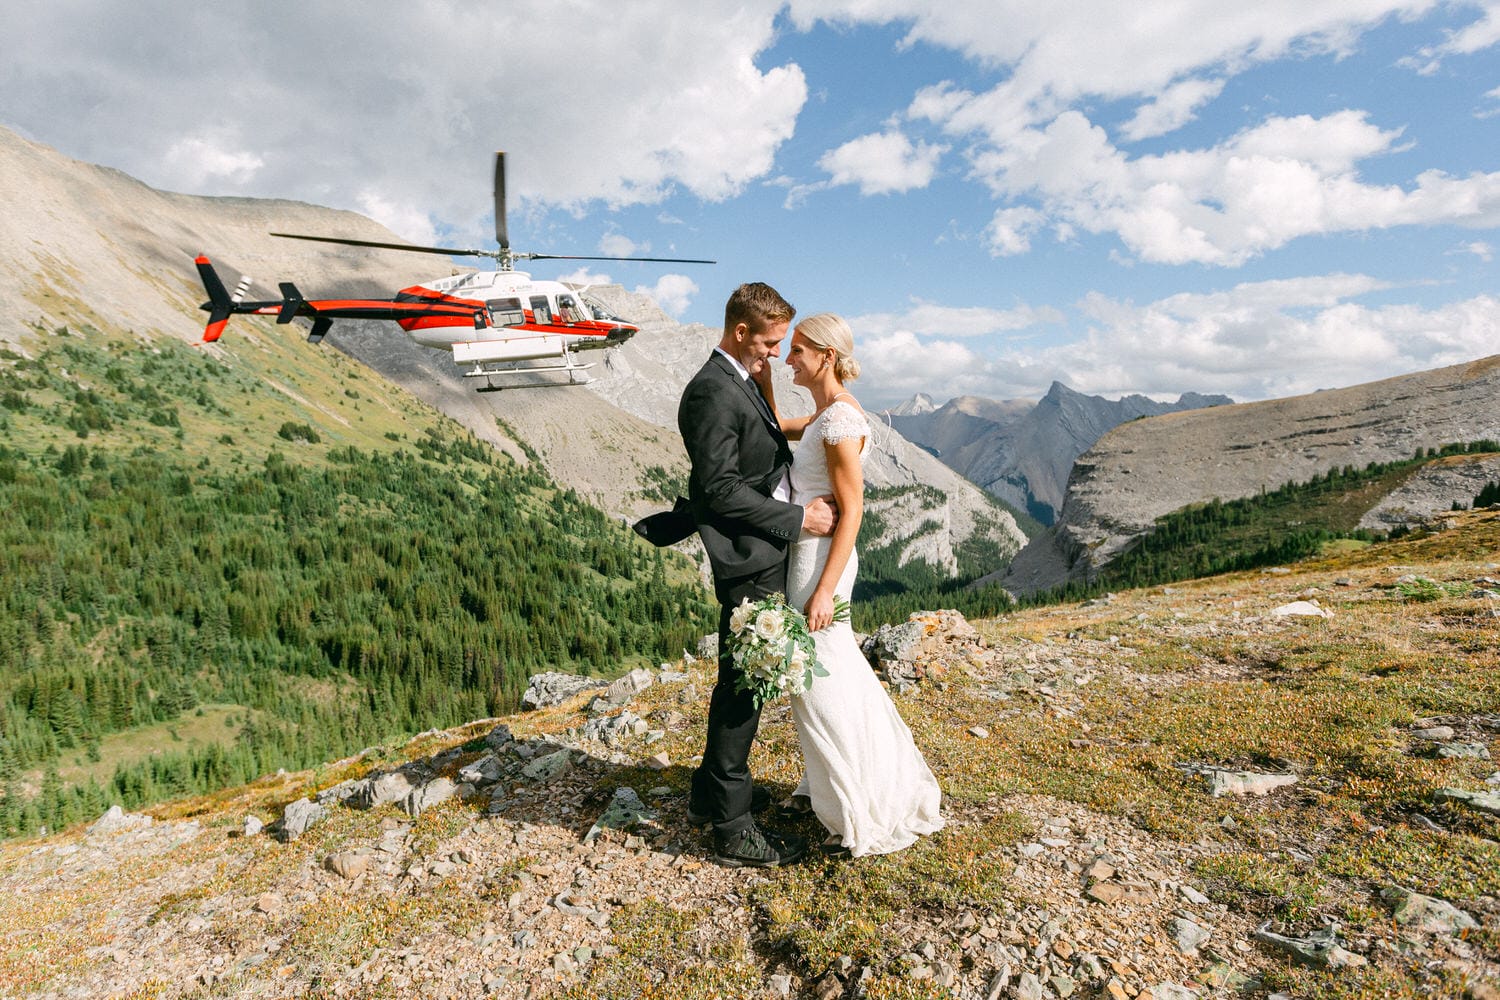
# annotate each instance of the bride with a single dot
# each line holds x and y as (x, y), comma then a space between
(866, 780)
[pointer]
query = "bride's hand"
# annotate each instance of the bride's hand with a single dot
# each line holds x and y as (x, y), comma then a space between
(819, 611)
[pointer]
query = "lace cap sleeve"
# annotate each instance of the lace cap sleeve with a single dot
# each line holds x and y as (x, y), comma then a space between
(844, 421)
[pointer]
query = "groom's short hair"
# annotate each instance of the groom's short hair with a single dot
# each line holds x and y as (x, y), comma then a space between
(757, 305)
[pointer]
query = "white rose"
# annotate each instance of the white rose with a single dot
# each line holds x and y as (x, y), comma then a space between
(740, 616)
(770, 624)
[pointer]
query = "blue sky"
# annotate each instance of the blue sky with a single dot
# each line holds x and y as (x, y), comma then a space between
(1154, 197)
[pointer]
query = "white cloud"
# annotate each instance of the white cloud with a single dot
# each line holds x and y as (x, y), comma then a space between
(882, 163)
(897, 365)
(1480, 34)
(932, 319)
(619, 245)
(1256, 340)
(1057, 54)
(1246, 344)
(599, 102)
(1493, 97)
(583, 276)
(196, 161)
(1172, 109)
(1257, 191)
(1009, 232)
(1030, 139)
(673, 292)
(1478, 248)
(407, 221)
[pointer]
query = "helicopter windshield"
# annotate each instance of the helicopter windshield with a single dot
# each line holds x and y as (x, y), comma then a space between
(600, 312)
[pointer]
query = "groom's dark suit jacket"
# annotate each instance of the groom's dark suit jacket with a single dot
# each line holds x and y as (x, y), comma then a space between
(738, 456)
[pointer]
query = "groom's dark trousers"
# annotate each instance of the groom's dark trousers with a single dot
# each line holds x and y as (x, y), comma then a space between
(721, 785)
(738, 456)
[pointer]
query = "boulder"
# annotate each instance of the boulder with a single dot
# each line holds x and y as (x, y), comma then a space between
(553, 688)
(921, 647)
(433, 792)
(1319, 950)
(1245, 782)
(297, 819)
(625, 810)
(1426, 914)
(117, 820)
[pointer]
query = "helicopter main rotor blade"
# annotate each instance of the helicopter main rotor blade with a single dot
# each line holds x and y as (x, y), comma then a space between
(502, 235)
(446, 251)
(567, 256)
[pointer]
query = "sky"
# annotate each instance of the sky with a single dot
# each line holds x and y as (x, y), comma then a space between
(1158, 197)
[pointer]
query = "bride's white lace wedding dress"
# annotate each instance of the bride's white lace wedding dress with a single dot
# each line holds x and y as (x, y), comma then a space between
(867, 781)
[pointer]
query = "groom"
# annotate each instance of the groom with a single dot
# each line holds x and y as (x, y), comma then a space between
(739, 498)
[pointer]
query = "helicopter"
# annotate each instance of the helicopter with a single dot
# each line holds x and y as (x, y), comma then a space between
(498, 323)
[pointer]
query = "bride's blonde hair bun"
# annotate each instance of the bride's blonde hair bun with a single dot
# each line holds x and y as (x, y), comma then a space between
(829, 331)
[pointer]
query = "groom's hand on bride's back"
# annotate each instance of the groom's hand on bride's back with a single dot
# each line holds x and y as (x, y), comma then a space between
(820, 515)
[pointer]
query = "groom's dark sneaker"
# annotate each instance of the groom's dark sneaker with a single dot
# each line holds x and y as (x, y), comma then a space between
(760, 799)
(753, 847)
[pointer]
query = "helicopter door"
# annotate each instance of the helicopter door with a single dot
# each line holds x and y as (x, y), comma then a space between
(506, 312)
(541, 310)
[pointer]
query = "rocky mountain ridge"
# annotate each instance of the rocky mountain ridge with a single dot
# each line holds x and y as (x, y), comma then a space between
(1021, 451)
(1144, 469)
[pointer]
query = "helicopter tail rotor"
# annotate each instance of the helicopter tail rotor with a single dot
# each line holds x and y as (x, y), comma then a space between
(219, 306)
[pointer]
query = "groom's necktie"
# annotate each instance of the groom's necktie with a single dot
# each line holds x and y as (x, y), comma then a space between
(765, 408)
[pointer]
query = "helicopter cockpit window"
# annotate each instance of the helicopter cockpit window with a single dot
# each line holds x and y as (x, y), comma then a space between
(541, 309)
(507, 312)
(569, 309)
(600, 312)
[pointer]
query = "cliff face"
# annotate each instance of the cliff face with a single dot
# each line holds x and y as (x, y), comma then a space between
(1022, 452)
(1141, 470)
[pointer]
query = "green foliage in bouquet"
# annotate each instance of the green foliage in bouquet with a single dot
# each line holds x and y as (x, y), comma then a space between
(772, 648)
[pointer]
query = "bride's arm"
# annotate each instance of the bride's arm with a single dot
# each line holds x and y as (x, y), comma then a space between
(791, 427)
(849, 490)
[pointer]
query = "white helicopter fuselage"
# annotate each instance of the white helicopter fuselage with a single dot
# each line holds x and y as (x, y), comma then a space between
(527, 319)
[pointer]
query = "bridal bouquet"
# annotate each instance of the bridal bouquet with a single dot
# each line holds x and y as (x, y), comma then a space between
(772, 649)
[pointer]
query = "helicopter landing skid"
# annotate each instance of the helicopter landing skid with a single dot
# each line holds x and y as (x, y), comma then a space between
(489, 374)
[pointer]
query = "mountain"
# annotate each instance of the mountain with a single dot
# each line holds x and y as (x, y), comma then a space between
(1144, 469)
(1022, 452)
(916, 406)
(84, 244)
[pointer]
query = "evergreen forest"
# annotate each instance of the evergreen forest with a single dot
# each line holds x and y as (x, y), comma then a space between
(163, 562)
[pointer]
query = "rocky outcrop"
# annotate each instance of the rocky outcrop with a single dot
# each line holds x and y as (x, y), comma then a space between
(1435, 488)
(1147, 468)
